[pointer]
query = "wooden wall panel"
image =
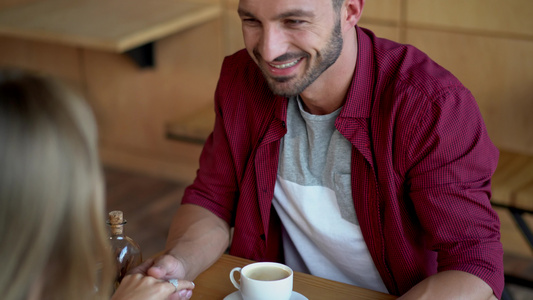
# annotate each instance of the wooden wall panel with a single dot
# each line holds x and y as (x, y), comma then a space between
(383, 31)
(493, 16)
(206, 1)
(134, 105)
(231, 4)
(232, 25)
(56, 60)
(388, 11)
(9, 3)
(498, 71)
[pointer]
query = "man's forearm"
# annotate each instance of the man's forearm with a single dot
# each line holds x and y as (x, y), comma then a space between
(197, 237)
(450, 285)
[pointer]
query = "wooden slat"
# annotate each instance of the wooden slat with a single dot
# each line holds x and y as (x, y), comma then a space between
(513, 177)
(518, 269)
(111, 25)
(524, 198)
(194, 128)
(512, 186)
(511, 237)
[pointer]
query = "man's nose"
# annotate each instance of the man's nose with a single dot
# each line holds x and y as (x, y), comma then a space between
(273, 43)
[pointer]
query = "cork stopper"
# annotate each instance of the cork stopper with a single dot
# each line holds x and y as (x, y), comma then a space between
(116, 217)
(116, 221)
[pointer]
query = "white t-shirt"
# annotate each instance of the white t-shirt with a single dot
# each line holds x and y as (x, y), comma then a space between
(312, 196)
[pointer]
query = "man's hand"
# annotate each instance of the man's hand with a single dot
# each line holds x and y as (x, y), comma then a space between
(141, 287)
(196, 240)
(167, 267)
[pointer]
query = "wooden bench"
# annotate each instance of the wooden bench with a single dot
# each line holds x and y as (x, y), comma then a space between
(518, 269)
(195, 128)
(512, 190)
(512, 183)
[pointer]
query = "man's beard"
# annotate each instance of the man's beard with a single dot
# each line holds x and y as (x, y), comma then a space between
(289, 86)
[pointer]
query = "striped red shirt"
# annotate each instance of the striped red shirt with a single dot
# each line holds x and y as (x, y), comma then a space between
(421, 165)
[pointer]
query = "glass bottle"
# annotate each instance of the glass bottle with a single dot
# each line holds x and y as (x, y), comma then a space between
(126, 252)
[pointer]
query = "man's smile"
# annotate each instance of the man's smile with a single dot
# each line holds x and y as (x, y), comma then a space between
(285, 65)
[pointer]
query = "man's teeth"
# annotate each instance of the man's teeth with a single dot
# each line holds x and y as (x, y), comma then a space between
(287, 65)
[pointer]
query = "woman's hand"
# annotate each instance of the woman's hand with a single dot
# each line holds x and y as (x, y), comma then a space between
(167, 267)
(138, 286)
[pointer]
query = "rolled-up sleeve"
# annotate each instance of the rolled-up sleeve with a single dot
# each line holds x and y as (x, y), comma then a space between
(452, 161)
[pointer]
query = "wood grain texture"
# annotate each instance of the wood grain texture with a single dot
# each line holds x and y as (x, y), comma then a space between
(115, 25)
(513, 175)
(215, 284)
(509, 18)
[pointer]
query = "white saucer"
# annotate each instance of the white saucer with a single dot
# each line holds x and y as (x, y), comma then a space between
(237, 296)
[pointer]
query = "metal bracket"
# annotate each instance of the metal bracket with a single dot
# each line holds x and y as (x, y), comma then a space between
(144, 56)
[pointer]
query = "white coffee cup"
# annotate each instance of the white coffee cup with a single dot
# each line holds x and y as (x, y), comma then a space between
(264, 281)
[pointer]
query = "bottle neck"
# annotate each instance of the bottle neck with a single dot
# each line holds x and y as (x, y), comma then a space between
(117, 229)
(116, 221)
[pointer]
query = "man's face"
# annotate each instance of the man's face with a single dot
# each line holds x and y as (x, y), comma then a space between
(292, 41)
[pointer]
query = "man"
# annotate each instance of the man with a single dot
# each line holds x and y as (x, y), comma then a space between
(343, 155)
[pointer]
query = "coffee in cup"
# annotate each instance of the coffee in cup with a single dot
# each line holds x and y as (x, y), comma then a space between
(264, 281)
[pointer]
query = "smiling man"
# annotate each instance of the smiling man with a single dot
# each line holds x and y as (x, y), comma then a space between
(302, 49)
(343, 155)
(316, 42)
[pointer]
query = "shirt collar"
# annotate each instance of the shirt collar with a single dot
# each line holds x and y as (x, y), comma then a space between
(359, 97)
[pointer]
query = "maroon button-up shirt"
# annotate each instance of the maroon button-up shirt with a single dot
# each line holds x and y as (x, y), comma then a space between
(421, 165)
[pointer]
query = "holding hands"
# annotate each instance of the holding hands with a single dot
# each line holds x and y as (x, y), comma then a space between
(163, 273)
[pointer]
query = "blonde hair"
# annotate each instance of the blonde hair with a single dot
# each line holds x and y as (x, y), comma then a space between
(52, 229)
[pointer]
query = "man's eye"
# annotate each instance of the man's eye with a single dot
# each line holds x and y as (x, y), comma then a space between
(250, 21)
(294, 22)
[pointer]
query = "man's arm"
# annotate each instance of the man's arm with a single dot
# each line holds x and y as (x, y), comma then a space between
(450, 285)
(197, 237)
(451, 161)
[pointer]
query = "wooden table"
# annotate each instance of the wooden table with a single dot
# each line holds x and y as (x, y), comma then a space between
(214, 284)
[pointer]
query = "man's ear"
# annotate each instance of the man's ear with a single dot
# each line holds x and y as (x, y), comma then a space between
(351, 12)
